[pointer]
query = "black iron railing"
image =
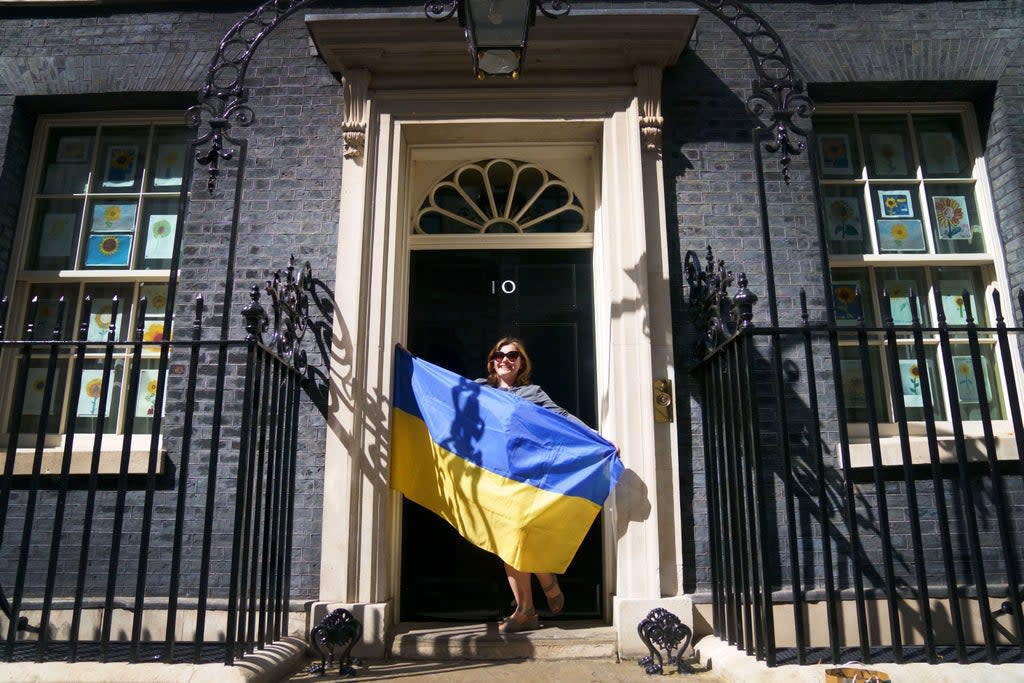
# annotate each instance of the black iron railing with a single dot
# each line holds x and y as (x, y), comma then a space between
(125, 541)
(863, 484)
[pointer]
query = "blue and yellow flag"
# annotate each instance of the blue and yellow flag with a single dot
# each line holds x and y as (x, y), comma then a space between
(512, 477)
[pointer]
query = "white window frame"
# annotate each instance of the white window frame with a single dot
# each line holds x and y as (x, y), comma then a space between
(992, 263)
(21, 280)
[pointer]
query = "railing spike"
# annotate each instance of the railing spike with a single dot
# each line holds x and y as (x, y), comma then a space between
(997, 303)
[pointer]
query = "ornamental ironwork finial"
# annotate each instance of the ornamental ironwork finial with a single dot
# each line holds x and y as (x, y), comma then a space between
(716, 315)
(223, 97)
(778, 102)
(289, 306)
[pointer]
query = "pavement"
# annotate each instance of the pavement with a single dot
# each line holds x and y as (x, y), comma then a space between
(499, 671)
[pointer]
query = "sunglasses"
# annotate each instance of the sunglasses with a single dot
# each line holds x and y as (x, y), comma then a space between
(511, 355)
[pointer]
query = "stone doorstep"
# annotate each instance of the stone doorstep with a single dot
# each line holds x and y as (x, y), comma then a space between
(552, 641)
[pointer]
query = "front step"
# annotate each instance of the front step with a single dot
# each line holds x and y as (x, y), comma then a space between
(556, 640)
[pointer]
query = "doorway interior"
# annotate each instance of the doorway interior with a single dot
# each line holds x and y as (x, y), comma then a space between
(461, 302)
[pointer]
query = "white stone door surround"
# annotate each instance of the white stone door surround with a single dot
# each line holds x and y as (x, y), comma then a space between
(401, 126)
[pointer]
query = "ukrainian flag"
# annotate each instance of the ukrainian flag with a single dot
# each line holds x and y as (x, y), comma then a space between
(512, 477)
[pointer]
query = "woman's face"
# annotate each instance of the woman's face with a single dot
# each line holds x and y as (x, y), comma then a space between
(508, 361)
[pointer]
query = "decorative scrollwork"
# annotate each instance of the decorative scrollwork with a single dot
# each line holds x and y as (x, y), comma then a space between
(439, 10)
(778, 103)
(338, 630)
(664, 629)
(553, 8)
(716, 316)
(289, 308)
(223, 97)
(289, 304)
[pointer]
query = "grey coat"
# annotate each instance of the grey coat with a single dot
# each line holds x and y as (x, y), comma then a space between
(534, 394)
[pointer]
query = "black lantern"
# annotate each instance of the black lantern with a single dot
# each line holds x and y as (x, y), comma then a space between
(496, 30)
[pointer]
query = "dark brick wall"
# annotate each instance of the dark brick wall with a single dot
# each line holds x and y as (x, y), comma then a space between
(921, 51)
(73, 59)
(96, 59)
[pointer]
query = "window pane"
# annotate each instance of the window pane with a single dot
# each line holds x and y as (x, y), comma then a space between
(956, 224)
(976, 384)
(54, 238)
(912, 387)
(899, 283)
(940, 141)
(102, 311)
(887, 147)
(156, 233)
(119, 164)
(39, 382)
(898, 224)
(170, 149)
(156, 309)
(145, 401)
(46, 316)
(111, 234)
(845, 284)
(855, 387)
(67, 160)
(100, 388)
(845, 219)
(951, 284)
(837, 146)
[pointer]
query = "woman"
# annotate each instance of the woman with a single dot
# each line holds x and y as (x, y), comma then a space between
(508, 369)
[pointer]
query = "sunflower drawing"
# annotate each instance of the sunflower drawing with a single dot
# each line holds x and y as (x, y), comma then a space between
(161, 229)
(122, 159)
(109, 245)
(112, 214)
(847, 304)
(898, 232)
(154, 333)
(914, 375)
(949, 215)
(92, 389)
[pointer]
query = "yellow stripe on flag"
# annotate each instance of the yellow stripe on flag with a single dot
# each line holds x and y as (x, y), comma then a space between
(529, 528)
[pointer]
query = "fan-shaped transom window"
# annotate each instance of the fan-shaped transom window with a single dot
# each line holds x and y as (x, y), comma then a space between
(500, 196)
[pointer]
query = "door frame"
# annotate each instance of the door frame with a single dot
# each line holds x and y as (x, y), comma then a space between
(633, 345)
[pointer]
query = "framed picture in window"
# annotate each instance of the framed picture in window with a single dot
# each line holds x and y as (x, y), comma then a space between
(35, 386)
(939, 153)
(73, 149)
(910, 377)
(843, 219)
(834, 151)
(952, 222)
(91, 391)
(108, 251)
(113, 217)
(99, 320)
(120, 166)
(895, 204)
(899, 300)
(888, 153)
(56, 235)
(967, 382)
(149, 382)
(848, 307)
(901, 235)
(160, 236)
(953, 303)
(169, 163)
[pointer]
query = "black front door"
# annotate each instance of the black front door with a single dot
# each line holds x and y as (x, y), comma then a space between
(461, 303)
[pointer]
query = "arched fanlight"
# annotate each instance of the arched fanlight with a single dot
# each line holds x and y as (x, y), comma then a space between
(496, 30)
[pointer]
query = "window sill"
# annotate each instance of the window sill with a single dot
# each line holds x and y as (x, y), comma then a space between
(974, 445)
(52, 459)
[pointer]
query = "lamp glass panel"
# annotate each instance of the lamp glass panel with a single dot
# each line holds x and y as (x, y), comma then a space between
(498, 23)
